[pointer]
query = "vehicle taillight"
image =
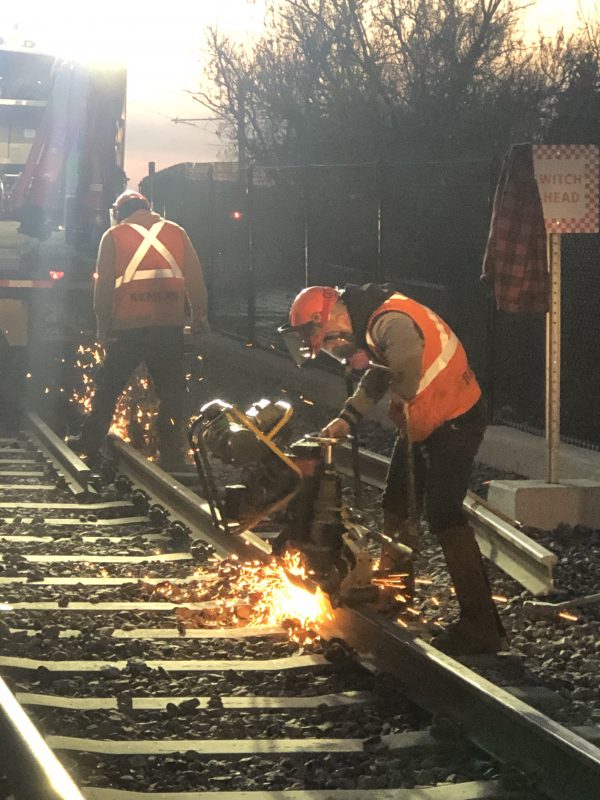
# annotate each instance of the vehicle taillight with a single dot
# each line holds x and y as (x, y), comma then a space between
(56, 275)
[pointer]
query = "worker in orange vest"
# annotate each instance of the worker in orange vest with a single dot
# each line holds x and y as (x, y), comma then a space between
(146, 268)
(437, 405)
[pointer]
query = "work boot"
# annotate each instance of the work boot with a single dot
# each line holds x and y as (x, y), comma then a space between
(479, 629)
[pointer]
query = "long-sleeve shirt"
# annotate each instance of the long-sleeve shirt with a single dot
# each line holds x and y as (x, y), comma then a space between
(400, 345)
(191, 270)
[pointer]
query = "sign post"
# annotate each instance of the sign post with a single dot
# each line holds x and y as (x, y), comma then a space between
(567, 178)
(553, 359)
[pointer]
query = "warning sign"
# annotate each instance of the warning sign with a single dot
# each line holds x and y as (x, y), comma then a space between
(567, 178)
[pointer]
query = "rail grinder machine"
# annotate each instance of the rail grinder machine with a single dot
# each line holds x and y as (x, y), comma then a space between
(293, 484)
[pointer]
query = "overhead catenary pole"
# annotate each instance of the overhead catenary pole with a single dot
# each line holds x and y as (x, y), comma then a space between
(251, 298)
(246, 183)
(242, 142)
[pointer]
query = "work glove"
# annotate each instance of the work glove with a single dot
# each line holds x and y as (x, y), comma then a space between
(336, 429)
(360, 360)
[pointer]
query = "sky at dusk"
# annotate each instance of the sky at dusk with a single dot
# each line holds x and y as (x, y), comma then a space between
(163, 47)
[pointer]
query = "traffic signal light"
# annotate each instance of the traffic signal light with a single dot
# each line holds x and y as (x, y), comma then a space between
(236, 215)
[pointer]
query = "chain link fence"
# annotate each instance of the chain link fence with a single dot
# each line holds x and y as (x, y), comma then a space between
(264, 234)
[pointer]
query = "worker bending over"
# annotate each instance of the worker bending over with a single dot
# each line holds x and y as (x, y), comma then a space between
(436, 402)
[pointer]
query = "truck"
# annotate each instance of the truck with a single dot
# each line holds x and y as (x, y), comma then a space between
(62, 135)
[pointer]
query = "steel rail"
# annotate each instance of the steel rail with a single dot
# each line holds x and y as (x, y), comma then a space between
(562, 763)
(499, 539)
(494, 719)
(185, 504)
(76, 471)
(34, 769)
(510, 549)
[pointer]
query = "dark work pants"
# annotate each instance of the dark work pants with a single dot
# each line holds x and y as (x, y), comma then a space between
(442, 464)
(161, 349)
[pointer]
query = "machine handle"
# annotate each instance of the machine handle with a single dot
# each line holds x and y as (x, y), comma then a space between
(328, 440)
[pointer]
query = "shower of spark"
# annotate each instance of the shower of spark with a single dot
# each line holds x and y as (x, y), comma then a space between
(249, 594)
(135, 413)
(135, 409)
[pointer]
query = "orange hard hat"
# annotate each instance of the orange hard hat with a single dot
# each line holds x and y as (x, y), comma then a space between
(308, 313)
(313, 304)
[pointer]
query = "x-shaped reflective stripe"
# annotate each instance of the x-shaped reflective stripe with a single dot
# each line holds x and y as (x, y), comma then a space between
(149, 239)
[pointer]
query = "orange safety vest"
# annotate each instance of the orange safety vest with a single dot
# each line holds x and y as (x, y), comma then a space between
(448, 386)
(149, 284)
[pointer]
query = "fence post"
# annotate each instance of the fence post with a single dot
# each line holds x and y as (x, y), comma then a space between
(251, 298)
(210, 266)
(379, 196)
(491, 367)
(305, 207)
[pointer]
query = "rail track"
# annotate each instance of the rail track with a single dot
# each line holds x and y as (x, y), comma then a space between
(500, 539)
(102, 587)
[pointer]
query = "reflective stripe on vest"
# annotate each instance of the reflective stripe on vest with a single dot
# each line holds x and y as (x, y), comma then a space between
(447, 387)
(448, 343)
(149, 240)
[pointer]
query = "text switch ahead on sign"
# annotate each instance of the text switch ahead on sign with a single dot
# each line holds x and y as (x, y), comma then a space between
(567, 178)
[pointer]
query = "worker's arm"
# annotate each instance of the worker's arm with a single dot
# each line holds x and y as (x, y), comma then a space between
(401, 344)
(105, 286)
(195, 287)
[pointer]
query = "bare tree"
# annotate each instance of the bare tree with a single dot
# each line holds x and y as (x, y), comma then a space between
(353, 80)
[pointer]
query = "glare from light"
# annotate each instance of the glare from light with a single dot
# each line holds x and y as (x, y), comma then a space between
(60, 781)
(119, 34)
(548, 16)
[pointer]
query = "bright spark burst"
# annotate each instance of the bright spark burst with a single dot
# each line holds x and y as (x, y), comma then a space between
(249, 594)
(135, 413)
(136, 406)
